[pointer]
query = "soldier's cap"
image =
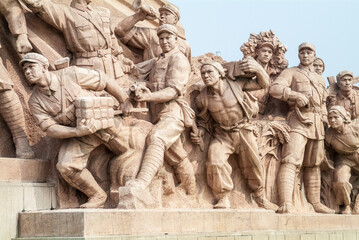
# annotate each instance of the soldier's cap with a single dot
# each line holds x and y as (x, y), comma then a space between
(34, 58)
(167, 28)
(265, 44)
(306, 45)
(172, 8)
(216, 65)
(343, 73)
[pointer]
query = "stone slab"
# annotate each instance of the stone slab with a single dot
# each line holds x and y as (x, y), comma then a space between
(246, 235)
(115, 222)
(16, 197)
(21, 170)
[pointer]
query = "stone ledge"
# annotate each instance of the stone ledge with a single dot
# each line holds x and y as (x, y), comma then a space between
(109, 222)
(23, 170)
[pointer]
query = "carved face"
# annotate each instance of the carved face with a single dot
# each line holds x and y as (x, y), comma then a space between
(35, 73)
(264, 54)
(168, 41)
(210, 75)
(306, 56)
(167, 17)
(345, 83)
(318, 66)
(335, 120)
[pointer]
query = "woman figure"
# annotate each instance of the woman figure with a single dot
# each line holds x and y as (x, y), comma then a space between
(342, 140)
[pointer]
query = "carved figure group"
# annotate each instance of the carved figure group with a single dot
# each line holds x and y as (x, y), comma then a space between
(243, 111)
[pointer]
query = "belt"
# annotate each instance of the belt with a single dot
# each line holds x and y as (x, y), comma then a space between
(235, 127)
(97, 53)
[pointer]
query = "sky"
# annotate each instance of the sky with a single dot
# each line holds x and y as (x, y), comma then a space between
(224, 25)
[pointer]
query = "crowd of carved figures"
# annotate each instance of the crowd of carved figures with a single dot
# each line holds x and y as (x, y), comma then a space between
(199, 131)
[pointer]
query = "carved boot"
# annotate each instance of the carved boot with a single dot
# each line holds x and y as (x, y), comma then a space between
(85, 182)
(347, 210)
(285, 183)
(263, 202)
(152, 162)
(312, 188)
(222, 201)
(12, 112)
(187, 177)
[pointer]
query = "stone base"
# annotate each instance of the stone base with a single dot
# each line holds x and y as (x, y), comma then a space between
(23, 188)
(177, 223)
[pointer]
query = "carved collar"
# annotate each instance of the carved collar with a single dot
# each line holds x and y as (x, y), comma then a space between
(53, 87)
(170, 53)
(350, 96)
(306, 68)
(82, 7)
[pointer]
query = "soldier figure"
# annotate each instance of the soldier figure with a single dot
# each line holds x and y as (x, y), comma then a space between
(88, 35)
(225, 112)
(52, 105)
(304, 91)
(10, 106)
(345, 94)
(146, 39)
(170, 113)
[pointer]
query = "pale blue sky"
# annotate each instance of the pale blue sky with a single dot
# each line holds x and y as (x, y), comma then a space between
(224, 25)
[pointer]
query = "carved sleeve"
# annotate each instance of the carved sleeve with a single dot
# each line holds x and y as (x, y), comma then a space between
(14, 15)
(177, 74)
(280, 88)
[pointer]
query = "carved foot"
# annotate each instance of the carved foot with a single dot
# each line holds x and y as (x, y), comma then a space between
(347, 210)
(320, 208)
(263, 202)
(97, 201)
(285, 208)
(23, 149)
(223, 203)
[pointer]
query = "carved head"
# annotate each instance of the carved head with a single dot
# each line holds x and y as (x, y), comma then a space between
(319, 66)
(345, 80)
(169, 14)
(266, 48)
(211, 73)
(167, 35)
(35, 66)
(306, 53)
(338, 116)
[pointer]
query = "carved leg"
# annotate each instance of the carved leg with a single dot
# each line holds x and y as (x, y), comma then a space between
(187, 177)
(152, 162)
(222, 201)
(285, 180)
(342, 187)
(85, 182)
(312, 188)
(12, 112)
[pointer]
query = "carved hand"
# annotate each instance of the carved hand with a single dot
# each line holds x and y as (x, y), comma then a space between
(22, 44)
(196, 139)
(86, 127)
(249, 64)
(301, 100)
(144, 95)
(127, 65)
(126, 107)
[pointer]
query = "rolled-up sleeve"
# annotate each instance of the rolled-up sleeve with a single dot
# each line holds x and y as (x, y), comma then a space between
(177, 74)
(280, 88)
(42, 118)
(90, 79)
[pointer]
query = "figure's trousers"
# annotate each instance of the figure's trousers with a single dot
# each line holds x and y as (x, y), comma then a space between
(300, 151)
(225, 143)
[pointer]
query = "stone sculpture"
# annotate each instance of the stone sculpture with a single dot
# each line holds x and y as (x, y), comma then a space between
(169, 113)
(146, 39)
(319, 66)
(52, 104)
(225, 112)
(304, 91)
(344, 94)
(88, 35)
(10, 106)
(342, 140)
(269, 52)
